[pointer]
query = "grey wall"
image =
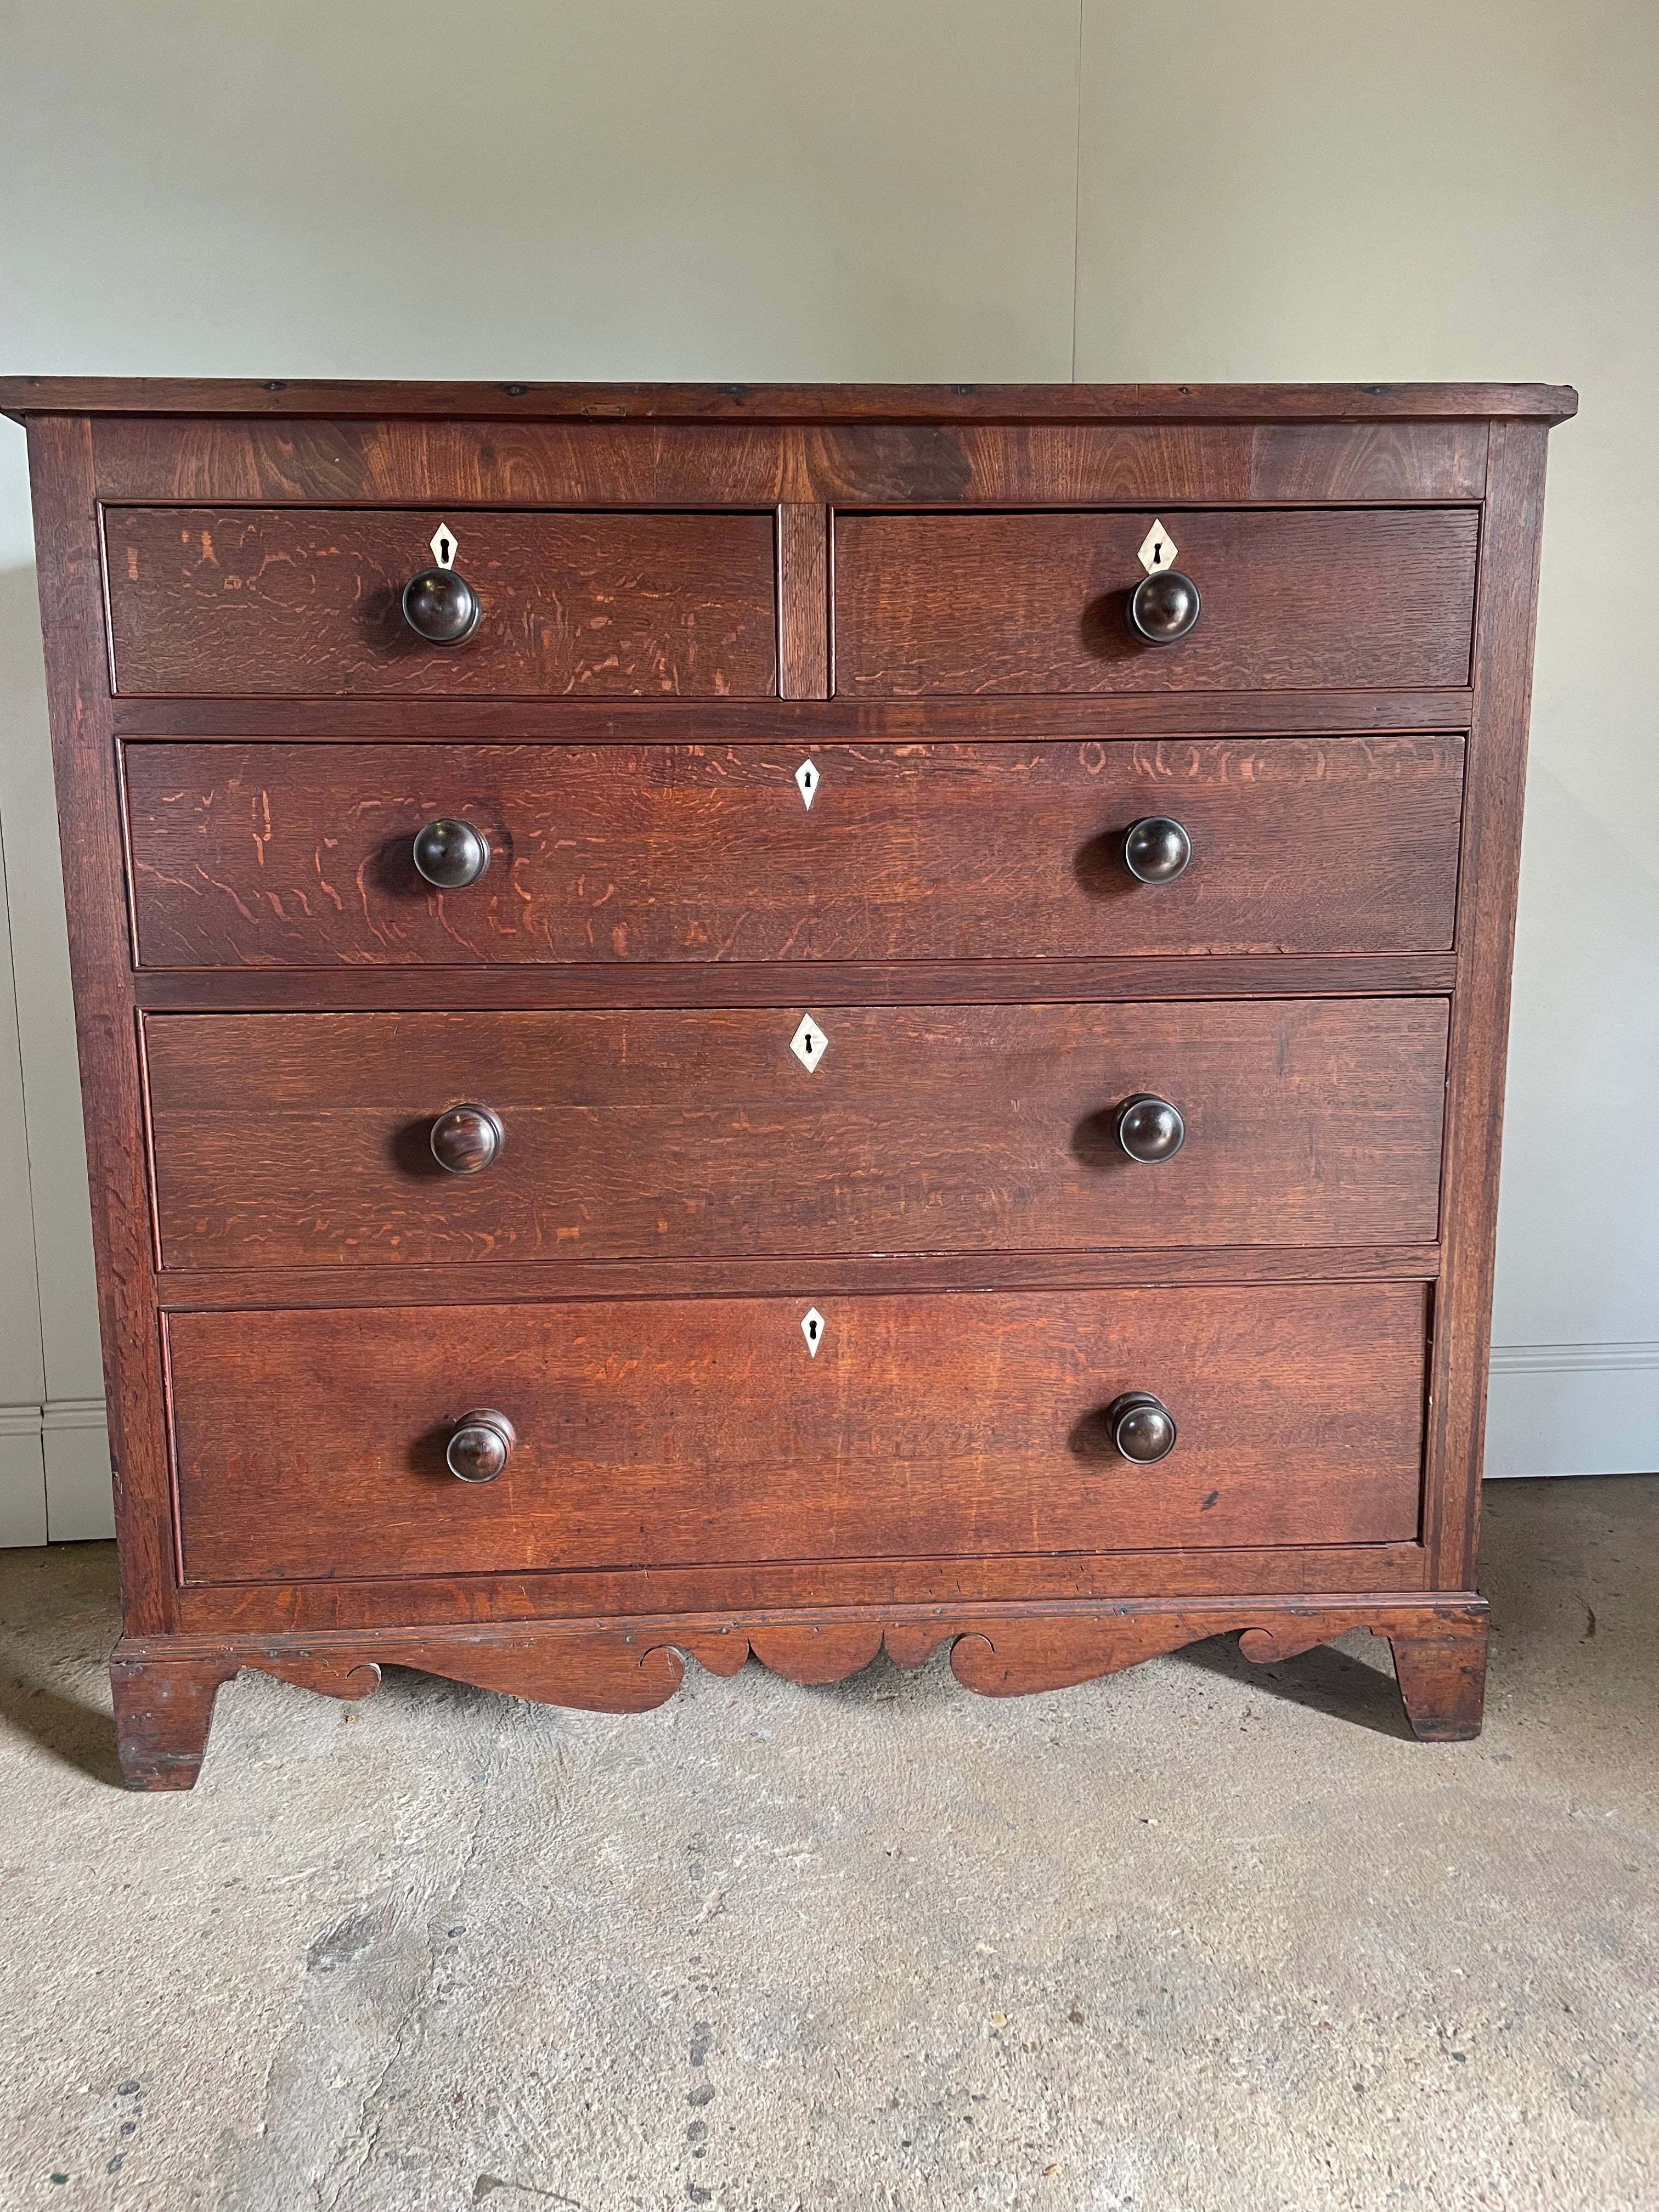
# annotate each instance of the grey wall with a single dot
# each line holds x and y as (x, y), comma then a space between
(890, 189)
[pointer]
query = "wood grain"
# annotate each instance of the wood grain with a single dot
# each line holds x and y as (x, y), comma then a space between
(659, 911)
(702, 1433)
(435, 1601)
(804, 601)
(511, 1282)
(270, 855)
(86, 771)
(493, 463)
(1443, 1676)
(784, 403)
(529, 988)
(1300, 462)
(224, 602)
(165, 1688)
(1336, 713)
(301, 1139)
(933, 604)
(1489, 867)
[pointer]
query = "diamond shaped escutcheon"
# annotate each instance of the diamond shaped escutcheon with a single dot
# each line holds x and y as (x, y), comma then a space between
(1158, 548)
(809, 1042)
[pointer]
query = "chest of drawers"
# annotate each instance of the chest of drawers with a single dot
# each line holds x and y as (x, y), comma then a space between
(783, 1021)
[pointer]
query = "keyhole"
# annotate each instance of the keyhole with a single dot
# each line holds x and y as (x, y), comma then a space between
(807, 778)
(1157, 555)
(813, 1332)
(445, 551)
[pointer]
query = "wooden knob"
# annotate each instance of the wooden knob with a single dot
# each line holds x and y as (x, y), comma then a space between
(440, 606)
(1157, 849)
(1142, 1426)
(1163, 607)
(451, 854)
(1150, 1129)
(465, 1138)
(480, 1445)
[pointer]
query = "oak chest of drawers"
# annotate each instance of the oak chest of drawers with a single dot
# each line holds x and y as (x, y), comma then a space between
(781, 1020)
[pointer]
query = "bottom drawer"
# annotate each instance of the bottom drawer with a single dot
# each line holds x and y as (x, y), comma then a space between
(709, 1432)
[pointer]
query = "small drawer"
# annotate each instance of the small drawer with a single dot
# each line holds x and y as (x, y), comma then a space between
(1289, 601)
(353, 1140)
(304, 855)
(252, 602)
(638, 1432)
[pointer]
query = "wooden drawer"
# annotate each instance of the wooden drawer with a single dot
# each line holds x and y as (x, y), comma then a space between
(701, 1432)
(244, 602)
(299, 855)
(1036, 603)
(295, 1140)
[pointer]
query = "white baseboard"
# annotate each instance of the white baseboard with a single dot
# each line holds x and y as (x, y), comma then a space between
(22, 1476)
(54, 1473)
(1573, 1409)
(79, 1499)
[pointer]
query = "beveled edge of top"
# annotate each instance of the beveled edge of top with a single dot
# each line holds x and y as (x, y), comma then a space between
(780, 403)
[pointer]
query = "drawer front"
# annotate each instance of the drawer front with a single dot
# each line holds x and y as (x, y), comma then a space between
(1038, 602)
(247, 602)
(301, 855)
(290, 1139)
(312, 1444)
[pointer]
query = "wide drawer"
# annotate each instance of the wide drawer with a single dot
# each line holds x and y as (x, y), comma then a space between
(312, 1444)
(288, 1140)
(243, 602)
(1036, 602)
(301, 855)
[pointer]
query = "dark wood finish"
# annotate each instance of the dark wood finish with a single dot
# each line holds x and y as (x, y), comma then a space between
(227, 602)
(462, 1140)
(804, 602)
(704, 1432)
(165, 1689)
(1012, 403)
(295, 1140)
(396, 463)
(833, 983)
(1331, 1390)
(1489, 867)
(164, 1694)
(511, 1282)
(802, 1588)
(743, 722)
(942, 603)
(264, 855)
(1443, 1677)
(96, 900)
(1298, 464)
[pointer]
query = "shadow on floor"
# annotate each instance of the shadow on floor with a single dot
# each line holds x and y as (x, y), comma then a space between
(1324, 1680)
(79, 1734)
(1563, 1560)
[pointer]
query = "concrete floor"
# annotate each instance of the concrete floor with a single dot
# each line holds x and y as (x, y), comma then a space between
(1197, 1939)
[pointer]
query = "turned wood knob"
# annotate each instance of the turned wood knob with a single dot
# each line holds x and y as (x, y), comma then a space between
(480, 1445)
(451, 854)
(1150, 1129)
(1163, 607)
(1156, 849)
(1142, 1426)
(440, 606)
(465, 1138)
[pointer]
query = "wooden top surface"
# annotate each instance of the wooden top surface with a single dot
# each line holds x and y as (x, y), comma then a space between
(22, 395)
